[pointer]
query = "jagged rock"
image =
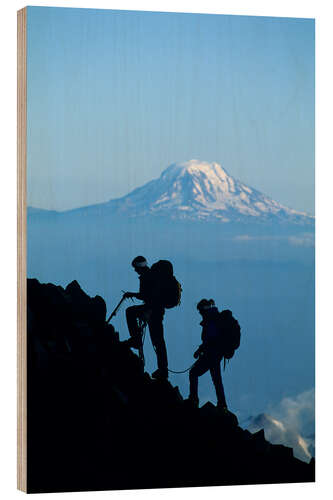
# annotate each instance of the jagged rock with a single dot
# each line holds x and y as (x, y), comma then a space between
(247, 435)
(259, 441)
(230, 418)
(178, 395)
(208, 410)
(282, 451)
(97, 421)
(92, 310)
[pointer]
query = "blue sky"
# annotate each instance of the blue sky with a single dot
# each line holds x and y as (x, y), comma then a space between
(114, 97)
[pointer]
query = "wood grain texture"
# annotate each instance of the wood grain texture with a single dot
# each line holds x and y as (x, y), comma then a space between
(21, 252)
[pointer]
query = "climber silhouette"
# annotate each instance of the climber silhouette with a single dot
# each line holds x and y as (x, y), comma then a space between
(151, 312)
(209, 355)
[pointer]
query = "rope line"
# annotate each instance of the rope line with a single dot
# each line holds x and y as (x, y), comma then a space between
(142, 327)
(183, 371)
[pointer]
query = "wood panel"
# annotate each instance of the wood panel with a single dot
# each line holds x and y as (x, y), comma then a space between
(21, 252)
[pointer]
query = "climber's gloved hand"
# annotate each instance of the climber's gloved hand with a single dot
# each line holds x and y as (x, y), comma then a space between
(128, 295)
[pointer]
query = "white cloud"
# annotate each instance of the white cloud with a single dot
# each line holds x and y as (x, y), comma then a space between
(304, 240)
(247, 237)
(290, 423)
(301, 240)
(296, 412)
(298, 416)
(243, 237)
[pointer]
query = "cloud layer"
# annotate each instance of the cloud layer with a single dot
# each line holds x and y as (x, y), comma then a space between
(297, 414)
(301, 240)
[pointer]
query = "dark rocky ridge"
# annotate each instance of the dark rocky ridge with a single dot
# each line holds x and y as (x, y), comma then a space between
(97, 421)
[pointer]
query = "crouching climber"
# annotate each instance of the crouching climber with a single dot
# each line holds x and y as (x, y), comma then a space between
(150, 312)
(159, 290)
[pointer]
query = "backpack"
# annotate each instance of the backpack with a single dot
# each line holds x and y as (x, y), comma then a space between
(230, 334)
(167, 290)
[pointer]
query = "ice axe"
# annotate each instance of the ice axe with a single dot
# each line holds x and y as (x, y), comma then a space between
(114, 312)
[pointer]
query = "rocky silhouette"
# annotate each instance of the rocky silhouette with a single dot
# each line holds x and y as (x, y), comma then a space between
(97, 421)
(277, 432)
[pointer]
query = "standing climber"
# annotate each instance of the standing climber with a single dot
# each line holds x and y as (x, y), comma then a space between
(152, 312)
(209, 354)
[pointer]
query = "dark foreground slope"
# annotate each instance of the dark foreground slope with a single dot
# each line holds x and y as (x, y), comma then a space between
(97, 421)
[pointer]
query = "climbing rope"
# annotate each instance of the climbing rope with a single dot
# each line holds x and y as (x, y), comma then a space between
(142, 326)
(184, 371)
(173, 371)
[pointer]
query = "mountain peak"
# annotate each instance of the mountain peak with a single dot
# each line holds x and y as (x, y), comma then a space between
(194, 185)
(195, 167)
(201, 191)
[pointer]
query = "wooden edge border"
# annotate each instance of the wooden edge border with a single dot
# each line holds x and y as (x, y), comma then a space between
(21, 250)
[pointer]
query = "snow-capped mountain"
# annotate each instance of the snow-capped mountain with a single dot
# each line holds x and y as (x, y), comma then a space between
(199, 190)
(277, 432)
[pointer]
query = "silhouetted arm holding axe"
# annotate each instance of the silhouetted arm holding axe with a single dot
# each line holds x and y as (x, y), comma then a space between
(130, 295)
